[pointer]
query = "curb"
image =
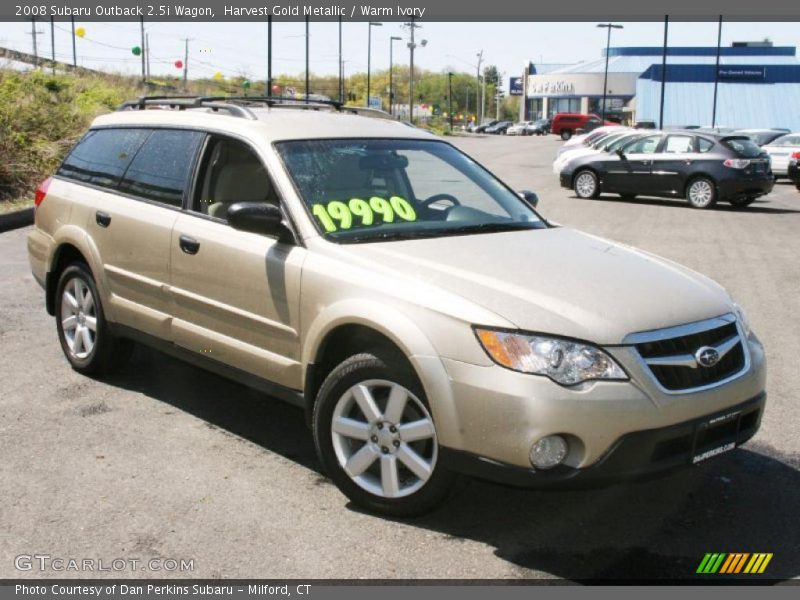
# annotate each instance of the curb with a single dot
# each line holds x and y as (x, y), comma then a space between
(16, 219)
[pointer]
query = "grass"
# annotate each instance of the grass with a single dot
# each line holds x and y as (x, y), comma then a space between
(9, 206)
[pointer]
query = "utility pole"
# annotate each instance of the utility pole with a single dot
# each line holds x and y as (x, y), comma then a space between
(185, 64)
(370, 25)
(341, 78)
(663, 73)
(307, 74)
(480, 107)
(716, 73)
(53, 42)
(450, 98)
(269, 55)
(74, 52)
(141, 30)
(411, 46)
(392, 40)
(34, 32)
(609, 27)
(147, 52)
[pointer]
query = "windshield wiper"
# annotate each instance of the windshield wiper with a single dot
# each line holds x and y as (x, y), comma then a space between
(389, 236)
(489, 228)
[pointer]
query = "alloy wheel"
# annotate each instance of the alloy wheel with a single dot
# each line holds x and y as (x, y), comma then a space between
(78, 318)
(701, 193)
(384, 438)
(585, 185)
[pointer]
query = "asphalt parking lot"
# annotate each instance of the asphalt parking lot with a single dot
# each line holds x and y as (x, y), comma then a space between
(164, 460)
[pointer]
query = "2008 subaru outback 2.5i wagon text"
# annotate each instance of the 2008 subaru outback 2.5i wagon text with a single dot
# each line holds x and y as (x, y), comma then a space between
(426, 317)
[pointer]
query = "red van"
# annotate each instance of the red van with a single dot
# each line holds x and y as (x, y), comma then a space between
(568, 124)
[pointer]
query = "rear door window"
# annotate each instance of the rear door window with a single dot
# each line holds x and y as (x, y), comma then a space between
(161, 169)
(679, 144)
(102, 156)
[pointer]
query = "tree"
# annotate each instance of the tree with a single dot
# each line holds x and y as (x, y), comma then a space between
(491, 75)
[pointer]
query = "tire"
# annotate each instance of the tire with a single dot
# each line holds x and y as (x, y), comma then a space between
(701, 193)
(741, 202)
(380, 447)
(78, 309)
(566, 134)
(586, 185)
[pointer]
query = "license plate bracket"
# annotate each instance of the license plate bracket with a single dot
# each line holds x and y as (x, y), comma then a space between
(716, 436)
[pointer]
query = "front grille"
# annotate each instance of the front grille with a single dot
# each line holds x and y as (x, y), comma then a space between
(686, 374)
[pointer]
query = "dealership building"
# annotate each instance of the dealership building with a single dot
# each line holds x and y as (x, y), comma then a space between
(758, 86)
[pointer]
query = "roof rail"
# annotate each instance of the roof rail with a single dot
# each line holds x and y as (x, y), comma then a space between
(238, 105)
(184, 102)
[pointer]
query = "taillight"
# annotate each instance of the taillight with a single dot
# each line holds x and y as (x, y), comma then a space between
(796, 155)
(737, 163)
(41, 192)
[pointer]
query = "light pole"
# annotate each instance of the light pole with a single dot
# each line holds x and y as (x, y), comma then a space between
(392, 40)
(371, 24)
(480, 105)
(609, 27)
(716, 74)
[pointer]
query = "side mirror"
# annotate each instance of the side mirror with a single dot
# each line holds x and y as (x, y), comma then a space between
(621, 154)
(529, 197)
(259, 217)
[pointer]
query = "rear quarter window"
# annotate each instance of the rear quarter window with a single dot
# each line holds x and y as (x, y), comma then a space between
(102, 156)
(743, 146)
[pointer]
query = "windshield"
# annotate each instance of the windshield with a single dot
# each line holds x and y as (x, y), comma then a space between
(378, 190)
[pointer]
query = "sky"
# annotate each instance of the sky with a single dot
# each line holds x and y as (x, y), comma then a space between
(240, 48)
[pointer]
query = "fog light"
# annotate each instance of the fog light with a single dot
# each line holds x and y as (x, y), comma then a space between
(549, 452)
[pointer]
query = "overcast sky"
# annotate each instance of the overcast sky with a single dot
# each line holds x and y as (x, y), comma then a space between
(240, 48)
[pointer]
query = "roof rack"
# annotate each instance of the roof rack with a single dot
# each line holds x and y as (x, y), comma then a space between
(237, 106)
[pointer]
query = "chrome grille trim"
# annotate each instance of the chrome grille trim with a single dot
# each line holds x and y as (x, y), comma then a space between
(683, 360)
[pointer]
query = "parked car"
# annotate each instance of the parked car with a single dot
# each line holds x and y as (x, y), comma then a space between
(538, 127)
(498, 128)
(600, 145)
(586, 139)
(239, 237)
(520, 128)
(482, 127)
(566, 125)
(703, 169)
(645, 125)
(793, 170)
(762, 137)
(780, 152)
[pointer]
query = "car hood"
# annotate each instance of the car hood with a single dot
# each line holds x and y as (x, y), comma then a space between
(556, 280)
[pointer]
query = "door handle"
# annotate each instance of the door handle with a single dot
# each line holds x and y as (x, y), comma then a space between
(189, 245)
(102, 218)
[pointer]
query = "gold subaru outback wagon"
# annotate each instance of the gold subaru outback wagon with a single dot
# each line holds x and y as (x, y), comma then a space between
(428, 320)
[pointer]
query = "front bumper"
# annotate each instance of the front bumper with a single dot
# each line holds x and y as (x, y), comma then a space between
(634, 455)
(565, 179)
(746, 186)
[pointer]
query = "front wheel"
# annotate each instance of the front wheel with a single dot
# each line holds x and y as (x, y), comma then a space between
(741, 202)
(701, 193)
(83, 331)
(566, 134)
(376, 438)
(586, 185)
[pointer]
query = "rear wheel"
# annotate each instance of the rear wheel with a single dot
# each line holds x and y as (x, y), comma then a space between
(83, 331)
(701, 193)
(566, 134)
(742, 202)
(586, 185)
(376, 438)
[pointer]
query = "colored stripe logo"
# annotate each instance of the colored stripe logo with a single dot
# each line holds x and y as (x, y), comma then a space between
(734, 563)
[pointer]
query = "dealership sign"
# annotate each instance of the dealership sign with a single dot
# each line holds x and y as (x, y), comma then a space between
(552, 87)
(742, 73)
(515, 86)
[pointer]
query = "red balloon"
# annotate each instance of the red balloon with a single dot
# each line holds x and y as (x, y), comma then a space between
(178, 64)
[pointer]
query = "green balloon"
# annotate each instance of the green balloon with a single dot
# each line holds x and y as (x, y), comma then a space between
(136, 50)
(246, 84)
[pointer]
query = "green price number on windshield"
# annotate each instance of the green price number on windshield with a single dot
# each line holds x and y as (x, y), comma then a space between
(337, 215)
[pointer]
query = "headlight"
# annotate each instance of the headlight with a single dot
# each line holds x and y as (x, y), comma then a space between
(742, 318)
(564, 361)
